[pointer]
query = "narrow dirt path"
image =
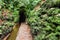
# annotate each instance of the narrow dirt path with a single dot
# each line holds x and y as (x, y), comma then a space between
(24, 32)
(20, 33)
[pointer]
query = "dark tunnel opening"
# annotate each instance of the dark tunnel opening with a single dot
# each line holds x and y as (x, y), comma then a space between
(22, 15)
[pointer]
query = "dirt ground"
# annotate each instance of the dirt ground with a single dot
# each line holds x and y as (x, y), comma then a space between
(24, 32)
(20, 33)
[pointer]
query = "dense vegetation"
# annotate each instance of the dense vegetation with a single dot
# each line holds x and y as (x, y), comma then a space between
(6, 23)
(9, 14)
(44, 22)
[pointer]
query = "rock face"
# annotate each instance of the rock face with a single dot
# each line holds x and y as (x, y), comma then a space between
(24, 33)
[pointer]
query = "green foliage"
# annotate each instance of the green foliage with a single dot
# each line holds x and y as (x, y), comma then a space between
(45, 22)
(51, 3)
(12, 17)
(6, 23)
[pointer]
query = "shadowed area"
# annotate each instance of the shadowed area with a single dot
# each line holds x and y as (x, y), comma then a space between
(22, 16)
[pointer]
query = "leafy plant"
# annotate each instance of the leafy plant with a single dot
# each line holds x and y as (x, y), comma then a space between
(45, 22)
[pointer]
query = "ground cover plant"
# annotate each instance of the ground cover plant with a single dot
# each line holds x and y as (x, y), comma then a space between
(9, 14)
(44, 22)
